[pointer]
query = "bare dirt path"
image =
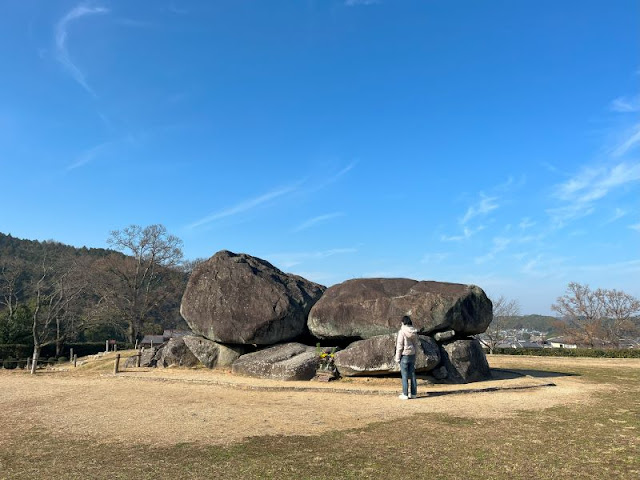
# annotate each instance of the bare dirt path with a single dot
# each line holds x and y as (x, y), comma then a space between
(170, 406)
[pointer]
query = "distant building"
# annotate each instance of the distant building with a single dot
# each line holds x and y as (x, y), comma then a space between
(518, 344)
(167, 334)
(152, 340)
(561, 342)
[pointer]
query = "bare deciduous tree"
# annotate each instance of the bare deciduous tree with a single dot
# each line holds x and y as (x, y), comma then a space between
(134, 285)
(503, 309)
(56, 290)
(596, 316)
(619, 309)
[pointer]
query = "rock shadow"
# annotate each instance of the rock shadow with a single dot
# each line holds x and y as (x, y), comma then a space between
(511, 373)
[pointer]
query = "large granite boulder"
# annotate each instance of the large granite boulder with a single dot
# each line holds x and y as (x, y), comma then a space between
(240, 299)
(375, 356)
(366, 307)
(176, 353)
(289, 361)
(212, 354)
(465, 361)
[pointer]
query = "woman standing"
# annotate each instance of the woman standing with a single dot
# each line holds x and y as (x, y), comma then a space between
(406, 348)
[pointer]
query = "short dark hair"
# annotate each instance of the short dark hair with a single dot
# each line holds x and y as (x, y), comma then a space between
(406, 320)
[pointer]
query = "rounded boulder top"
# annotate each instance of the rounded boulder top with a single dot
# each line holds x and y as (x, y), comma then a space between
(366, 307)
(240, 299)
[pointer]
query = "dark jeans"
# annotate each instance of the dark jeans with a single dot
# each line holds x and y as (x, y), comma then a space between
(408, 371)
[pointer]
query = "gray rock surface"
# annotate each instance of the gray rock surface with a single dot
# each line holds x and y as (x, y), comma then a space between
(375, 356)
(289, 361)
(176, 353)
(240, 299)
(465, 361)
(147, 359)
(367, 307)
(212, 354)
(440, 373)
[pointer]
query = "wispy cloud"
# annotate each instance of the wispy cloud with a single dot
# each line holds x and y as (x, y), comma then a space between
(594, 183)
(255, 202)
(542, 266)
(499, 244)
(357, 3)
(316, 220)
(90, 154)
(291, 259)
(245, 205)
(433, 258)
(560, 216)
(466, 234)
(635, 227)
(618, 213)
(631, 141)
(526, 223)
(62, 51)
(482, 207)
(626, 104)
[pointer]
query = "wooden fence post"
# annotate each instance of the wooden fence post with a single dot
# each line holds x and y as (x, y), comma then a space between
(106, 346)
(136, 347)
(75, 360)
(117, 364)
(138, 358)
(71, 354)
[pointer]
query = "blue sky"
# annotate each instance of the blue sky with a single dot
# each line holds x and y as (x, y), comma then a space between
(493, 142)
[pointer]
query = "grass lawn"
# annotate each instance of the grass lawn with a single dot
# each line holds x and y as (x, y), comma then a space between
(595, 438)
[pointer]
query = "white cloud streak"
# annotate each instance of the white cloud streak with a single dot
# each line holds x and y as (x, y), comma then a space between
(484, 206)
(594, 183)
(316, 220)
(244, 206)
(360, 3)
(625, 104)
(466, 234)
(62, 51)
(291, 259)
(90, 154)
(499, 244)
(630, 143)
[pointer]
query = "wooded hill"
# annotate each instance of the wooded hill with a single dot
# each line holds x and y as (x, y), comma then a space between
(89, 294)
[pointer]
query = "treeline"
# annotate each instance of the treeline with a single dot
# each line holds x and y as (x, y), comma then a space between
(52, 294)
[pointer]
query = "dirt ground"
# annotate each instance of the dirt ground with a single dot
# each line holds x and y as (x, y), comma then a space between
(171, 406)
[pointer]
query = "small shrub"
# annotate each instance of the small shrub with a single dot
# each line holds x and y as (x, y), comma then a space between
(52, 360)
(22, 363)
(9, 363)
(62, 359)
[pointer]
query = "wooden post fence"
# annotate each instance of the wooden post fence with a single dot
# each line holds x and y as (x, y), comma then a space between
(138, 358)
(71, 354)
(106, 346)
(117, 364)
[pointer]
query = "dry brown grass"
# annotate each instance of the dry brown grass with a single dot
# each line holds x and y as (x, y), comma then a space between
(176, 423)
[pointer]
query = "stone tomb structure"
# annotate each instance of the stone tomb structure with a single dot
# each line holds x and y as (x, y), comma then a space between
(249, 315)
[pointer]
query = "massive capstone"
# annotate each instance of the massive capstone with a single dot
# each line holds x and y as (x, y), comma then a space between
(366, 307)
(239, 299)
